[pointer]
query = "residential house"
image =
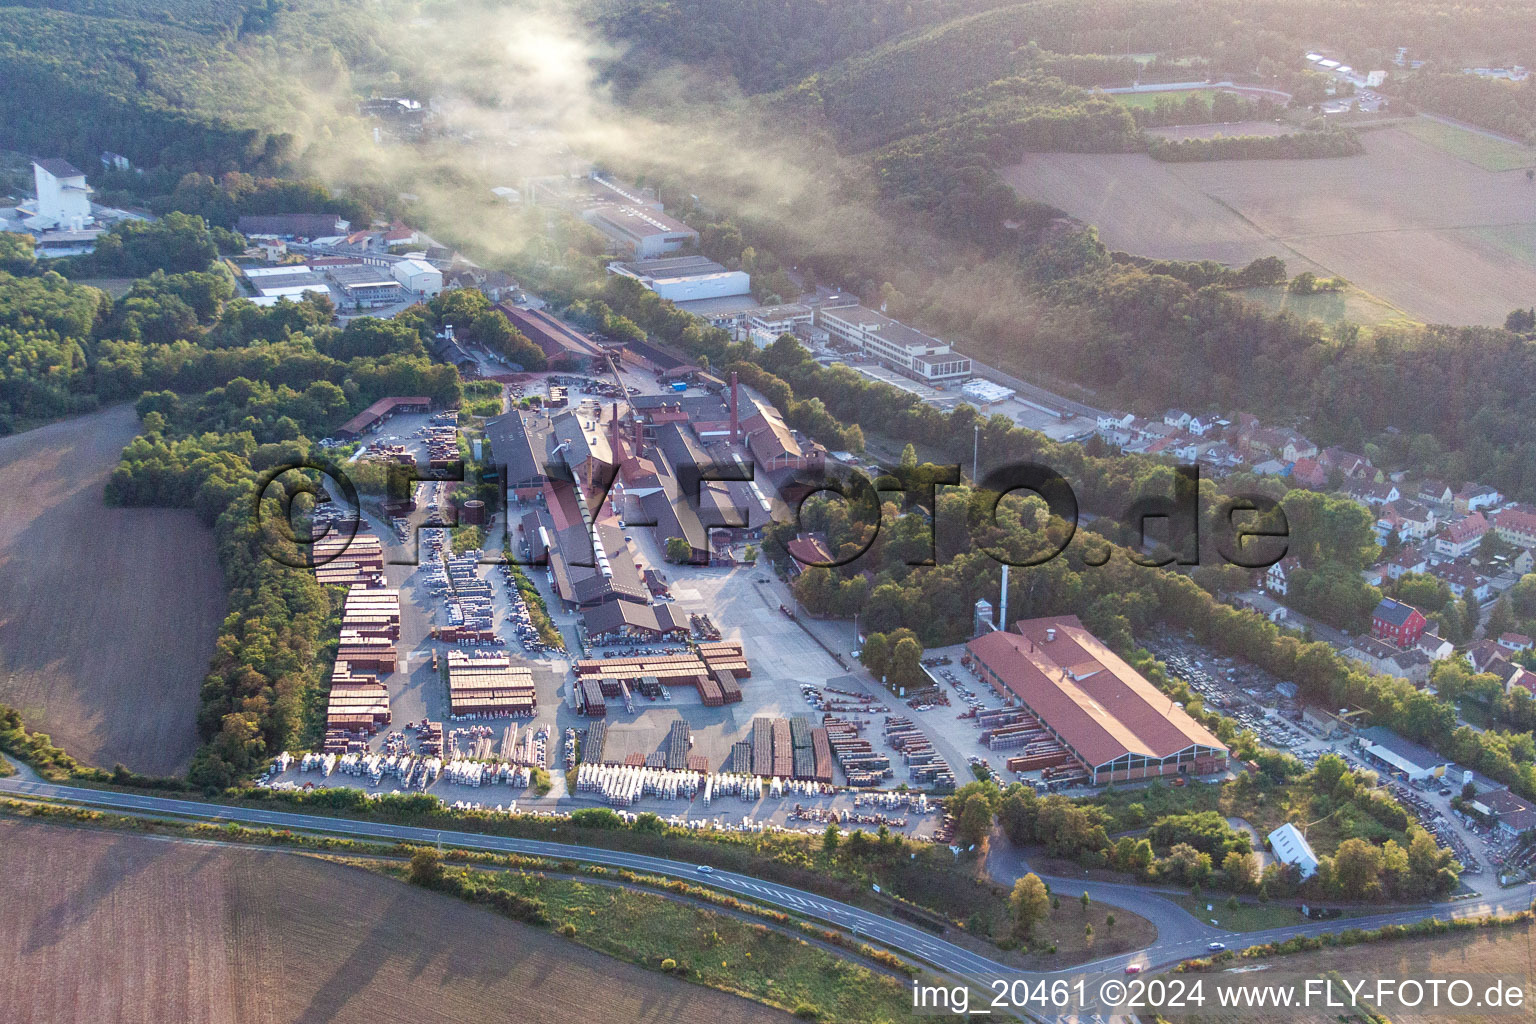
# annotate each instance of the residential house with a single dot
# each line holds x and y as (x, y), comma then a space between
(1353, 466)
(1386, 659)
(1408, 560)
(1117, 429)
(1270, 467)
(1277, 575)
(1461, 537)
(1402, 624)
(1177, 418)
(1265, 442)
(1462, 579)
(1297, 447)
(1516, 642)
(1309, 473)
(1516, 525)
(1513, 814)
(1483, 654)
(1524, 562)
(1200, 427)
(1413, 520)
(1437, 491)
(1372, 494)
(1220, 458)
(1473, 497)
(1435, 646)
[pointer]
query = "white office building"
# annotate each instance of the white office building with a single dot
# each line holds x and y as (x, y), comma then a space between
(893, 343)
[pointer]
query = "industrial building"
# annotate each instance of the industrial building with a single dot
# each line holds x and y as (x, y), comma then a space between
(645, 233)
(365, 284)
(418, 277)
(565, 347)
(1111, 720)
(380, 411)
(894, 344)
(1386, 750)
(63, 197)
(292, 225)
(685, 278)
(1291, 847)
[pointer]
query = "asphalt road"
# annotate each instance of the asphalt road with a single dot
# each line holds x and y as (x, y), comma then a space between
(1180, 935)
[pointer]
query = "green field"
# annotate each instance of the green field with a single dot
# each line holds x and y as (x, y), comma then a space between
(1148, 100)
(1486, 152)
(1352, 304)
(714, 949)
(1251, 917)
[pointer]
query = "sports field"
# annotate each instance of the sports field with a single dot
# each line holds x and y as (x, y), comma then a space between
(107, 615)
(1431, 234)
(104, 927)
(1148, 100)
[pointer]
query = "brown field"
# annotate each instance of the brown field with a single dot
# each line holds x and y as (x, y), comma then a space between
(123, 928)
(107, 616)
(1438, 237)
(1505, 951)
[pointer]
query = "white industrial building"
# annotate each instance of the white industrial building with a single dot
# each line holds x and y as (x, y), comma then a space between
(645, 232)
(1291, 847)
(893, 343)
(418, 276)
(685, 278)
(63, 197)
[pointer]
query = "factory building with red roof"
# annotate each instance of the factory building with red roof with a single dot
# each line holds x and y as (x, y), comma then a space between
(1113, 721)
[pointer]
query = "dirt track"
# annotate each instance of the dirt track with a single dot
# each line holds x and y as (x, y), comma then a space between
(107, 615)
(1436, 236)
(122, 928)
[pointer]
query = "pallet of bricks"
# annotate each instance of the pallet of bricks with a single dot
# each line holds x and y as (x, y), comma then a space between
(357, 707)
(741, 757)
(821, 754)
(762, 747)
(783, 749)
(345, 561)
(804, 758)
(725, 656)
(594, 742)
(592, 703)
(855, 754)
(372, 613)
(679, 741)
(923, 763)
(489, 686)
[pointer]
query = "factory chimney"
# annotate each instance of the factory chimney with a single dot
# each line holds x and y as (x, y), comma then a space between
(1002, 605)
(735, 409)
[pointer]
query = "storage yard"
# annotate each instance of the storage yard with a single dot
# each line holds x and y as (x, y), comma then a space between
(107, 615)
(224, 935)
(442, 683)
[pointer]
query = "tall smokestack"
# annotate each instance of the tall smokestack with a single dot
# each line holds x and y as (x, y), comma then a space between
(1002, 605)
(639, 432)
(735, 409)
(613, 431)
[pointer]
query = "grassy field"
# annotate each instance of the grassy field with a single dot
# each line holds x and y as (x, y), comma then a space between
(1148, 100)
(1496, 951)
(1351, 304)
(1486, 152)
(1251, 917)
(1406, 222)
(107, 615)
(218, 935)
(716, 949)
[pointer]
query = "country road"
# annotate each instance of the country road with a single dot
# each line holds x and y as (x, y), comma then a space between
(1180, 935)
